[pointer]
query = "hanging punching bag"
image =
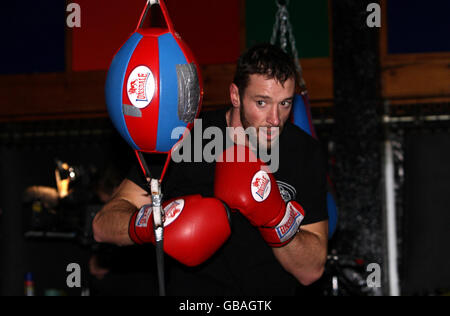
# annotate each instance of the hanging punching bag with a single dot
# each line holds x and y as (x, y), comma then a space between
(301, 116)
(153, 86)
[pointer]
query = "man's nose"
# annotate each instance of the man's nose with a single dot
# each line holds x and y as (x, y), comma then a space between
(274, 116)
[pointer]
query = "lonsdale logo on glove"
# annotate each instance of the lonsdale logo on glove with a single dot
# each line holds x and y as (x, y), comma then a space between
(143, 216)
(172, 211)
(286, 229)
(260, 186)
(290, 223)
(194, 227)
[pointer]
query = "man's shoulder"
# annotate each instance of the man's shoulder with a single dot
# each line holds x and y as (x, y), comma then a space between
(299, 146)
(296, 137)
(213, 117)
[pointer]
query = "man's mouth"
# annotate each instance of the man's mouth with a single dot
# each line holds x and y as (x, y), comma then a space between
(270, 133)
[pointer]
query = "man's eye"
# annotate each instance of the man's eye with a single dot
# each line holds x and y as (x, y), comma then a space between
(286, 103)
(260, 103)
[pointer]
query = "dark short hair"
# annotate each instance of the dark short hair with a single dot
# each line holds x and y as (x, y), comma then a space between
(264, 59)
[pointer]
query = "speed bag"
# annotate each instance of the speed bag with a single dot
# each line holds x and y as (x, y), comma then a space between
(153, 88)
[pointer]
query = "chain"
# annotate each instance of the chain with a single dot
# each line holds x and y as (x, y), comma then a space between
(283, 26)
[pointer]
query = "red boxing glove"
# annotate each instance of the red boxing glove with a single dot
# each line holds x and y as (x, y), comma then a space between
(194, 228)
(249, 187)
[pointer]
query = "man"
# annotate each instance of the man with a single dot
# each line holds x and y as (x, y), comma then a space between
(262, 96)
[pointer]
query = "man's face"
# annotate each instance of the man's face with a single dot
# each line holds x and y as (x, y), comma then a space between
(266, 105)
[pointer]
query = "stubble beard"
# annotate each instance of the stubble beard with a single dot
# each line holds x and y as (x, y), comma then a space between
(260, 143)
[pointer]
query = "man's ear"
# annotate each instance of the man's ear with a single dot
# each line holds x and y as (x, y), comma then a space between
(234, 95)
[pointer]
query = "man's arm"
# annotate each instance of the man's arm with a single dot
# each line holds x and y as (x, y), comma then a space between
(305, 255)
(110, 225)
(199, 226)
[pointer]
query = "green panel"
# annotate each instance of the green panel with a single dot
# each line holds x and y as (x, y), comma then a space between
(309, 20)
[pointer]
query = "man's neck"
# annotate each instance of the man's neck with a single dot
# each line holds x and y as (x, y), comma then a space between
(233, 118)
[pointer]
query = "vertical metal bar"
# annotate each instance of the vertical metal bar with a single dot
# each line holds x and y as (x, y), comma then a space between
(391, 224)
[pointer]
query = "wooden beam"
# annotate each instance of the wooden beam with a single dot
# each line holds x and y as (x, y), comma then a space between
(81, 94)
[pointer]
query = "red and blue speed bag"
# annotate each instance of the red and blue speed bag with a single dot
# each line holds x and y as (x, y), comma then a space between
(153, 90)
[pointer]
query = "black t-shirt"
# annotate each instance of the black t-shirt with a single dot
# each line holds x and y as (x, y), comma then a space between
(244, 265)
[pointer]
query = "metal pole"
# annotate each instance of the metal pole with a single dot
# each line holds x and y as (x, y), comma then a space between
(391, 224)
